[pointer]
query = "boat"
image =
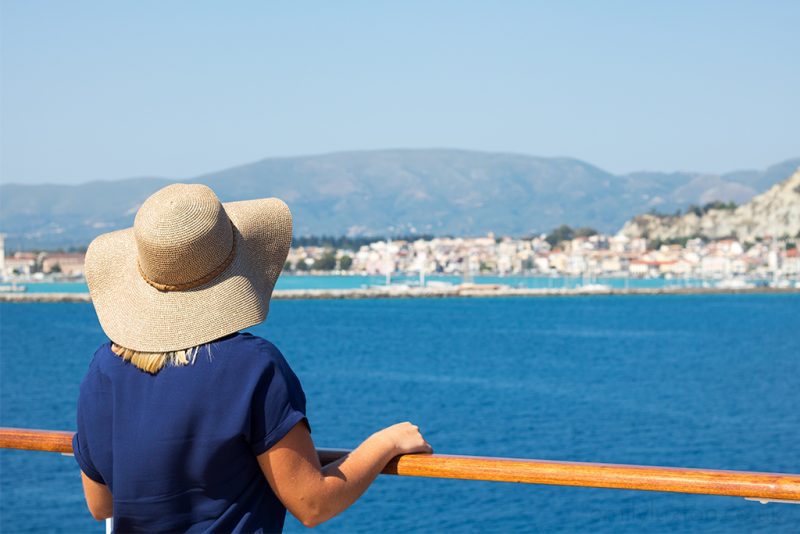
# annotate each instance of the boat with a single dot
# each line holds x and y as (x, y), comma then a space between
(734, 283)
(12, 288)
(439, 284)
(594, 288)
(472, 286)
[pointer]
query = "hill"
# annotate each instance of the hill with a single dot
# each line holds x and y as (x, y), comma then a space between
(775, 213)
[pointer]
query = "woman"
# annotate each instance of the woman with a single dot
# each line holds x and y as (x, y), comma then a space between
(184, 423)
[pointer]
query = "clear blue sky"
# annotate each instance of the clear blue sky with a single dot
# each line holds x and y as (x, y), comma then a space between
(107, 90)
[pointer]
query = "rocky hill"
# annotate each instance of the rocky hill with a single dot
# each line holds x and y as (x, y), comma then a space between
(775, 213)
(390, 192)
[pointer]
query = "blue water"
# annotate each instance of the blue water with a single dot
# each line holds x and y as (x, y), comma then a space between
(696, 381)
(361, 281)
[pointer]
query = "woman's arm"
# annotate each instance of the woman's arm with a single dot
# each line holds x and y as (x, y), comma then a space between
(98, 498)
(314, 494)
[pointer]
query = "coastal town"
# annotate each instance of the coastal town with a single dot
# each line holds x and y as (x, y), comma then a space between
(582, 256)
(564, 253)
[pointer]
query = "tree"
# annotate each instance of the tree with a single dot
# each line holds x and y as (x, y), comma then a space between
(656, 213)
(585, 232)
(327, 262)
(345, 262)
(567, 233)
(562, 233)
(719, 205)
(349, 243)
(694, 208)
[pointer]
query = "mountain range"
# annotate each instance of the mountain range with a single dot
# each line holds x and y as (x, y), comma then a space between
(391, 192)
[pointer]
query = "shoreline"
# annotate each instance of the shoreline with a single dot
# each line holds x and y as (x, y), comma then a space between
(472, 292)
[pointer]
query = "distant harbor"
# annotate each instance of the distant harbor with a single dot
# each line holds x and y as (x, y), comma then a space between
(561, 260)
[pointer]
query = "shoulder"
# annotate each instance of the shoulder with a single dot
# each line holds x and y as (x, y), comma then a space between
(256, 365)
(100, 368)
(106, 362)
(250, 341)
(250, 350)
(103, 359)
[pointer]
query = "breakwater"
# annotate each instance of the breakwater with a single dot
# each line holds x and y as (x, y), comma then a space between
(474, 291)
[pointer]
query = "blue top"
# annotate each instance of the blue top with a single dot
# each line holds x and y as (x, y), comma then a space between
(178, 449)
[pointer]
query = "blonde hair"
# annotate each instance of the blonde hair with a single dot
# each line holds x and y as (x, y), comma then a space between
(153, 362)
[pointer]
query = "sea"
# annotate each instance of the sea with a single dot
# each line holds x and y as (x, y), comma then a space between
(709, 381)
(361, 281)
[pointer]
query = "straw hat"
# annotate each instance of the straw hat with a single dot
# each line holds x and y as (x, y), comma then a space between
(190, 270)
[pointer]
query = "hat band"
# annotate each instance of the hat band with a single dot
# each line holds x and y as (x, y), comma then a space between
(194, 283)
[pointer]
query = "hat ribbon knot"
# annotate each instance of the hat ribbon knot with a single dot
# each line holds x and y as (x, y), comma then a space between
(193, 283)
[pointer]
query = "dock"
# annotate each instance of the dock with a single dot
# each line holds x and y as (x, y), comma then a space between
(467, 291)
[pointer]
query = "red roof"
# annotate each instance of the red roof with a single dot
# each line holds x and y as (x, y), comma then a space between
(654, 263)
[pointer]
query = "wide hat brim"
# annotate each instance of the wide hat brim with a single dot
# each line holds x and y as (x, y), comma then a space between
(136, 315)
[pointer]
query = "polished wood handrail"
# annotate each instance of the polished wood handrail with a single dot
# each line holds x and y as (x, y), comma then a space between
(36, 440)
(758, 486)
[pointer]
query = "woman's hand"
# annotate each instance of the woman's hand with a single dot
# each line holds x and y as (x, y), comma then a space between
(314, 493)
(404, 438)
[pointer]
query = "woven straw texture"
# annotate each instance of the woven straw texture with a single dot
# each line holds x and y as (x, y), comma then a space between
(190, 270)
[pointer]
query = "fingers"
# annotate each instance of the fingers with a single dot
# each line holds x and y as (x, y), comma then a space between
(419, 444)
(407, 438)
(425, 447)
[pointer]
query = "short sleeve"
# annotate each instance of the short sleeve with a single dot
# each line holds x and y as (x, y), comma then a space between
(278, 404)
(81, 452)
(91, 419)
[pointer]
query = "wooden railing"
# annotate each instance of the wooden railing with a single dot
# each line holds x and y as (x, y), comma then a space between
(757, 486)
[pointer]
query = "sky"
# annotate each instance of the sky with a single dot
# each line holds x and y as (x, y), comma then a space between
(110, 90)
